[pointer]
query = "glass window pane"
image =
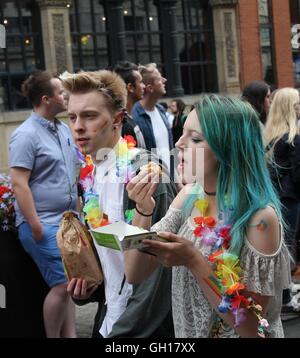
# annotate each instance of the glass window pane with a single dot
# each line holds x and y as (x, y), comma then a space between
(295, 19)
(143, 37)
(18, 99)
(265, 37)
(196, 46)
(3, 95)
(103, 61)
(24, 50)
(296, 61)
(13, 97)
(142, 31)
(295, 12)
(2, 61)
(267, 65)
(88, 32)
(263, 11)
(266, 40)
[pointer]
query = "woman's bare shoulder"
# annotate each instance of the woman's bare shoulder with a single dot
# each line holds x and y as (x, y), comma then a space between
(263, 231)
(181, 196)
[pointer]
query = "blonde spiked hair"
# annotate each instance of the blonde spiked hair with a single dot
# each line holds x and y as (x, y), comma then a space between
(147, 71)
(106, 82)
(282, 117)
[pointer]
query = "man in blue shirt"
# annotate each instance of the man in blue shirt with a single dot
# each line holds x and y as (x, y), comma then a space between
(43, 172)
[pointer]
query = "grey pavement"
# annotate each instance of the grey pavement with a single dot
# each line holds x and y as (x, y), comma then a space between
(292, 327)
(85, 321)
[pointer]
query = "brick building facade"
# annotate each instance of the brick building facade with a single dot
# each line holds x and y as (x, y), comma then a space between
(265, 25)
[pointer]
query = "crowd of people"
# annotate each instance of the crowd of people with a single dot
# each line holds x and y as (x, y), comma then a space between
(227, 214)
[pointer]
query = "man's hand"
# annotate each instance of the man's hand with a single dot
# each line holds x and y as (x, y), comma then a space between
(141, 188)
(37, 232)
(20, 182)
(79, 289)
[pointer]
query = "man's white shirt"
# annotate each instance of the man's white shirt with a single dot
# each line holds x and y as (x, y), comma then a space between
(161, 136)
(111, 191)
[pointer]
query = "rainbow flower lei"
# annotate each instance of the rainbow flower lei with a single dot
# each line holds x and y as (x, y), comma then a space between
(93, 214)
(228, 285)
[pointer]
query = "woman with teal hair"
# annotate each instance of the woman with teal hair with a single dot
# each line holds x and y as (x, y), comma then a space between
(222, 233)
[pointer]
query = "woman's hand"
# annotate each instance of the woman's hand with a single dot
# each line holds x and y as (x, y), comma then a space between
(140, 189)
(176, 252)
(79, 289)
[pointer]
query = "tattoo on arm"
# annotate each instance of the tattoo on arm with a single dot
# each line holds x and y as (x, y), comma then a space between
(261, 226)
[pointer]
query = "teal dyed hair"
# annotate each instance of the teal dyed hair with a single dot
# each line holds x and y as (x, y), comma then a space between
(232, 130)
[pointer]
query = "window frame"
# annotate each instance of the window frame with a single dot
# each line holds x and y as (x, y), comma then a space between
(270, 27)
(37, 54)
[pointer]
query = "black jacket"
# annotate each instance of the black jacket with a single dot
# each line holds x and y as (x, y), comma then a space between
(177, 127)
(285, 172)
(129, 127)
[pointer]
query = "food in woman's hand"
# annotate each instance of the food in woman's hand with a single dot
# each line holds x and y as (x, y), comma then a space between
(152, 167)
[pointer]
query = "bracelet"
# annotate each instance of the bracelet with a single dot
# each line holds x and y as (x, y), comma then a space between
(147, 215)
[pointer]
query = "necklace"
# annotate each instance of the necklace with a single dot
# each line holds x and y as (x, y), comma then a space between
(228, 281)
(94, 216)
(210, 193)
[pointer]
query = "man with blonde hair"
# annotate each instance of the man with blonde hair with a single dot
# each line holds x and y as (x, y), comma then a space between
(150, 115)
(96, 110)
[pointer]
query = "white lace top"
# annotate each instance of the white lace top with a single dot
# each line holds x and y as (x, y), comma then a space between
(263, 274)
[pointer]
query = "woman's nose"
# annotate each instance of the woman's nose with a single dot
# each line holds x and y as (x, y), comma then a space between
(180, 143)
